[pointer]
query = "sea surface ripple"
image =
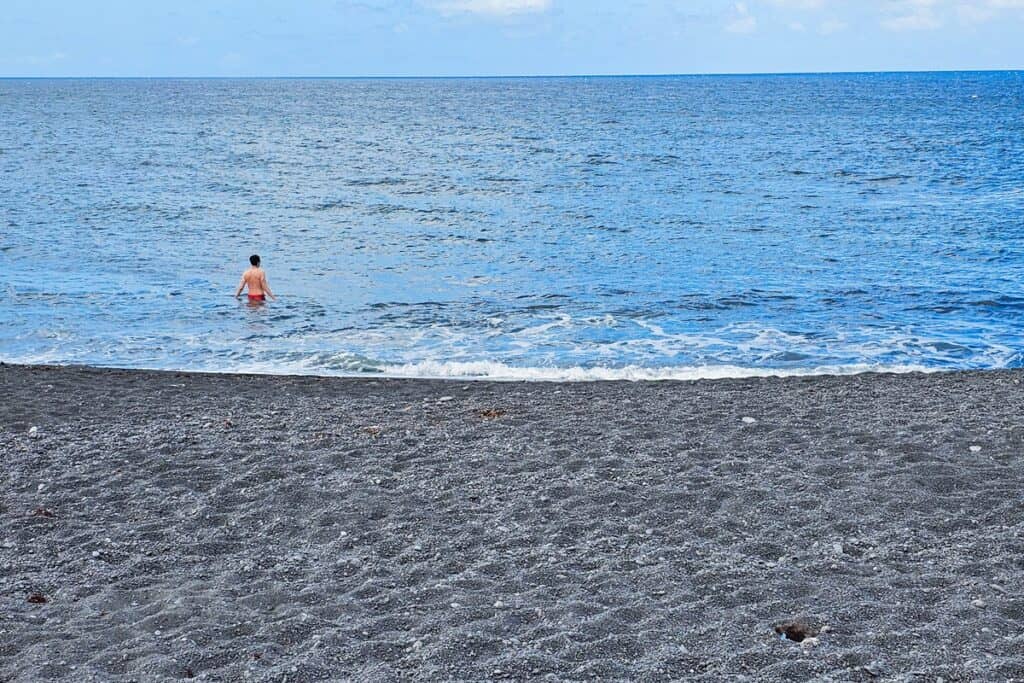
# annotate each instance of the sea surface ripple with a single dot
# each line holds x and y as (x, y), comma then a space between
(565, 229)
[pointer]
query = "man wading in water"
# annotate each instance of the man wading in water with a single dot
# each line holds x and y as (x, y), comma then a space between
(256, 280)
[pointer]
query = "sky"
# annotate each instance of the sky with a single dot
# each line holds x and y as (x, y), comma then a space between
(503, 37)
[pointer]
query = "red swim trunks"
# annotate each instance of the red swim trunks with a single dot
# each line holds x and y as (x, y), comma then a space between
(257, 297)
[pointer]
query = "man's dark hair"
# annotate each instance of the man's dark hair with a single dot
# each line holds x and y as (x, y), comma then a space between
(254, 259)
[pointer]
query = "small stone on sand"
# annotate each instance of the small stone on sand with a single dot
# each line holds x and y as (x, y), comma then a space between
(749, 420)
(975, 449)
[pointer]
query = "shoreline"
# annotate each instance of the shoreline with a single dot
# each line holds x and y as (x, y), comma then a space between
(260, 527)
(555, 375)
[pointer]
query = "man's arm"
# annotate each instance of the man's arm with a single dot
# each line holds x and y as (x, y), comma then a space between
(241, 286)
(266, 288)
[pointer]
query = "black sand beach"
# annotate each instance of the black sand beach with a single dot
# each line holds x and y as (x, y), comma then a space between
(163, 526)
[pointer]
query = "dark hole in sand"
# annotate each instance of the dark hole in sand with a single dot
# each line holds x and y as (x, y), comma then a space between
(797, 631)
(37, 599)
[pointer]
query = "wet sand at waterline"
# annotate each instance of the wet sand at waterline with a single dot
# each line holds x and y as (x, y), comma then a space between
(163, 526)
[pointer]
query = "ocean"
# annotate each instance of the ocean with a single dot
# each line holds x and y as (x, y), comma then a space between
(535, 228)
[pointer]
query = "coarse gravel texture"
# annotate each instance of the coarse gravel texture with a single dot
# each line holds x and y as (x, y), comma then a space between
(164, 526)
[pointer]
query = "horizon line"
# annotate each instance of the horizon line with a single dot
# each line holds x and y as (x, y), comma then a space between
(523, 76)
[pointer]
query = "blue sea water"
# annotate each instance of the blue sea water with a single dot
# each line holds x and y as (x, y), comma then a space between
(575, 228)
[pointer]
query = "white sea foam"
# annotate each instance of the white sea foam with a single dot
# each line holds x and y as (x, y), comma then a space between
(348, 365)
(488, 370)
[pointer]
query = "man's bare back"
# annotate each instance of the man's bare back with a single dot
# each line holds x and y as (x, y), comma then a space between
(255, 278)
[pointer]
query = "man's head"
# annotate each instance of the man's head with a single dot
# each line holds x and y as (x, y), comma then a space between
(255, 259)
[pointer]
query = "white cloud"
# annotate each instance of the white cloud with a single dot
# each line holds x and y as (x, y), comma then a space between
(41, 60)
(743, 21)
(973, 14)
(908, 15)
(912, 15)
(491, 7)
(799, 4)
(919, 15)
(917, 21)
(830, 26)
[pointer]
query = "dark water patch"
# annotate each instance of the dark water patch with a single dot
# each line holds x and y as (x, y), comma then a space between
(375, 182)
(735, 302)
(1000, 303)
(333, 204)
(785, 357)
(894, 178)
(942, 309)
(949, 347)
(600, 160)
